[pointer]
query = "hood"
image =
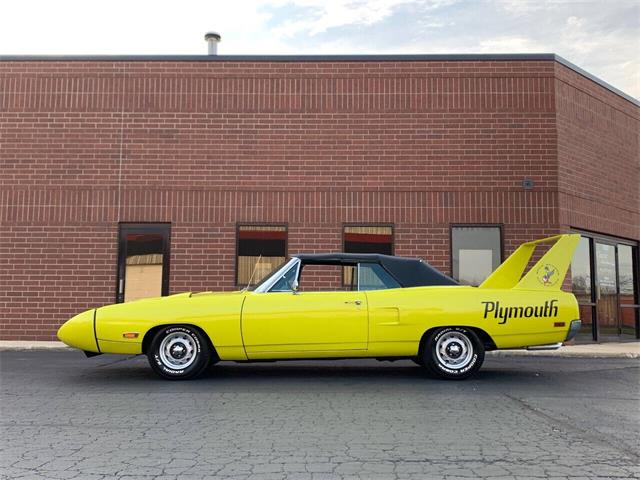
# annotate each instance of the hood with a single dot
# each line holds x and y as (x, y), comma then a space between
(179, 296)
(160, 305)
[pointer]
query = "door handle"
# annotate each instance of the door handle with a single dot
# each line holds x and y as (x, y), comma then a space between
(357, 302)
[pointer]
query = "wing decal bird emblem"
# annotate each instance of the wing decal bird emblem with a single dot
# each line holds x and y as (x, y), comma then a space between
(548, 275)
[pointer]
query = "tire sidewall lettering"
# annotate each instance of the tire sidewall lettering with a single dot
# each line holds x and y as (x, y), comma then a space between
(462, 371)
(170, 371)
(449, 371)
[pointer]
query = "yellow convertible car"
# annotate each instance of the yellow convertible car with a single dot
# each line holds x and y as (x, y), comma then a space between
(393, 308)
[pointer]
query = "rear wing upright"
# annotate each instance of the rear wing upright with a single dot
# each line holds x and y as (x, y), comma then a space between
(546, 274)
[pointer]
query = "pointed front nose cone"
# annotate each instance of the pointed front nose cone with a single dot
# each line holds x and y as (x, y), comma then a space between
(78, 332)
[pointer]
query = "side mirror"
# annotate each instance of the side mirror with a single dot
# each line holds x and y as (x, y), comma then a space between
(294, 286)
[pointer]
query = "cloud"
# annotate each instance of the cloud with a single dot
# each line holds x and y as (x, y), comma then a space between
(576, 35)
(320, 16)
(510, 44)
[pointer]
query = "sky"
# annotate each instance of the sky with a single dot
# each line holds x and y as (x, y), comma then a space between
(600, 36)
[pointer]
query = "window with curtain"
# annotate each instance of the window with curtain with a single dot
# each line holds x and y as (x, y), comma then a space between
(261, 249)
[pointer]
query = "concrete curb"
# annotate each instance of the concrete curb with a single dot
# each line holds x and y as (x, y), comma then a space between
(16, 345)
(562, 354)
(590, 350)
(601, 350)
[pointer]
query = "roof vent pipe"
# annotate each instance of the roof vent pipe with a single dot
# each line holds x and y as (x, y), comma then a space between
(212, 39)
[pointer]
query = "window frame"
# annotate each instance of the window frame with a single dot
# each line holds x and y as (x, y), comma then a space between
(258, 224)
(452, 226)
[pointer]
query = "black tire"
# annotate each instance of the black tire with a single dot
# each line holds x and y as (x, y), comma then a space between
(461, 353)
(179, 352)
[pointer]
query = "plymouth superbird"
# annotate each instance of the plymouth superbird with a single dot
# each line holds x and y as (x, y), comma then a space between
(392, 308)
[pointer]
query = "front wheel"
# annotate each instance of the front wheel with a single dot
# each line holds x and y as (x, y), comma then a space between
(179, 352)
(453, 353)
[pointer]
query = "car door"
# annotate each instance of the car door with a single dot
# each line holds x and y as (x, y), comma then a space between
(304, 324)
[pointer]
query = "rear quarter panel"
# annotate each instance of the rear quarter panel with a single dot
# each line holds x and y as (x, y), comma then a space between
(399, 317)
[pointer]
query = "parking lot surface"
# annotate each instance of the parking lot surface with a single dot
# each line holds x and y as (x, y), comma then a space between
(64, 416)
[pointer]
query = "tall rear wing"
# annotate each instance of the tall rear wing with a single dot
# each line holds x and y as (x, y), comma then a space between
(546, 274)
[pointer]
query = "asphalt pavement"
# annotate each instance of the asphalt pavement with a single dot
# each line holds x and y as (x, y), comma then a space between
(64, 416)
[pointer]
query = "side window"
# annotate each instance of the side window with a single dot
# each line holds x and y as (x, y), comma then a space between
(373, 277)
(323, 278)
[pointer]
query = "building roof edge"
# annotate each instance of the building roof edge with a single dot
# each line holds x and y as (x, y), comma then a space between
(482, 57)
(593, 78)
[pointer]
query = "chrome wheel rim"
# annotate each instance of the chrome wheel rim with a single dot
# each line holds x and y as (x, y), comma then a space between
(178, 350)
(454, 350)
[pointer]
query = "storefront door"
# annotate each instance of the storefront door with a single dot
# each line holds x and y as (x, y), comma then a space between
(143, 261)
(605, 282)
(607, 290)
(629, 290)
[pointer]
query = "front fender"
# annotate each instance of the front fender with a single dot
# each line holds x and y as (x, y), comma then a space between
(217, 315)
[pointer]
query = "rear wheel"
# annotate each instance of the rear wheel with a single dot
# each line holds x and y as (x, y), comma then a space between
(453, 353)
(179, 352)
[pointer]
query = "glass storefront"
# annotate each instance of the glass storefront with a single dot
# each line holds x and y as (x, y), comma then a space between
(604, 274)
(628, 288)
(581, 283)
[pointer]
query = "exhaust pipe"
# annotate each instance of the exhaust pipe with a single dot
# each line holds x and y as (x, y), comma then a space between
(212, 39)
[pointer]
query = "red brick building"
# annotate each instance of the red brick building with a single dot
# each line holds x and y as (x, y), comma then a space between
(129, 176)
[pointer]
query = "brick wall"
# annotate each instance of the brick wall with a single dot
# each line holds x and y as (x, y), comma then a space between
(420, 145)
(598, 157)
(51, 272)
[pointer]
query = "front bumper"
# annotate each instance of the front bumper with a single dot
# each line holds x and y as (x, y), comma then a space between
(79, 332)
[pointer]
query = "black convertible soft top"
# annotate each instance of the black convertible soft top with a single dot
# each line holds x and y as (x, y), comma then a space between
(409, 272)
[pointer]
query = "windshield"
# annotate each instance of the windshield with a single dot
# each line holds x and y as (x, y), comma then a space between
(267, 281)
(265, 278)
(285, 284)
